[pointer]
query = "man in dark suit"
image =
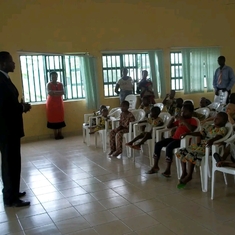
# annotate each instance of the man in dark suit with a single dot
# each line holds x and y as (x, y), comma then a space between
(11, 131)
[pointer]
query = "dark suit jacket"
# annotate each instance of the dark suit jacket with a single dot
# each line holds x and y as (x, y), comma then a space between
(11, 121)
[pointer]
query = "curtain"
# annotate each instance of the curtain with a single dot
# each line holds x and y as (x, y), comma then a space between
(199, 64)
(157, 72)
(90, 82)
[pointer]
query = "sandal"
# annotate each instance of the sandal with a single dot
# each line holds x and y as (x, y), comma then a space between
(181, 185)
(166, 175)
(152, 171)
(217, 157)
(136, 147)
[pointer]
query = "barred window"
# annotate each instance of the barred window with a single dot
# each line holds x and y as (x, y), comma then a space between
(35, 72)
(113, 63)
(176, 71)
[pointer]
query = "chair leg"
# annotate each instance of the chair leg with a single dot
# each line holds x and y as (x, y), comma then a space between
(178, 167)
(212, 184)
(204, 177)
(84, 135)
(225, 179)
(96, 139)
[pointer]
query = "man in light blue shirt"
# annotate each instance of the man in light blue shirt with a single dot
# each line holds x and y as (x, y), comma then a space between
(224, 78)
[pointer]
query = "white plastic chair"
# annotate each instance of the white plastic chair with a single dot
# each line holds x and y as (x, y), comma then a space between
(204, 168)
(190, 101)
(104, 133)
(205, 111)
(151, 143)
(159, 134)
(88, 121)
(224, 170)
(160, 105)
(222, 97)
(132, 99)
(139, 115)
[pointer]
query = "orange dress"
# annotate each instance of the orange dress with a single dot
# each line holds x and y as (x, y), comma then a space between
(55, 108)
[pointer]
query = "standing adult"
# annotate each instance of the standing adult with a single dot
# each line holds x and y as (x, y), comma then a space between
(145, 88)
(125, 84)
(11, 131)
(224, 78)
(55, 106)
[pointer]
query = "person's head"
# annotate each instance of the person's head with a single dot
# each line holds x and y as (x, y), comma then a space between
(104, 112)
(187, 110)
(146, 101)
(155, 111)
(102, 107)
(179, 102)
(144, 74)
(232, 98)
(53, 76)
(188, 102)
(6, 62)
(125, 106)
(221, 119)
(203, 102)
(221, 61)
(124, 72)
(172, 94)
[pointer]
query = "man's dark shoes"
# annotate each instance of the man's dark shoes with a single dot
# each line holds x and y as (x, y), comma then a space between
(18, 203)
(21, 194)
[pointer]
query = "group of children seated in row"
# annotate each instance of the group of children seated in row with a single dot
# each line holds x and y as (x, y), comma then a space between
(183, 123)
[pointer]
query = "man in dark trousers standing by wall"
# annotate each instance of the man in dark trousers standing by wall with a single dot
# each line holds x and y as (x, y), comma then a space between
(11, 131)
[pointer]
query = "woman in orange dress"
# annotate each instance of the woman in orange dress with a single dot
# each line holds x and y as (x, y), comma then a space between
(55, 106)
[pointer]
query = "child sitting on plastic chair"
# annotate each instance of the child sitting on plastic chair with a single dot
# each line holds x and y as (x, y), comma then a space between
(195, 152)
(102, 119)
(146, 106)
(154, 121)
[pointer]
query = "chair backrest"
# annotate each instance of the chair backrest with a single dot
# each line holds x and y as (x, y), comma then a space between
(222, 97)
(213, 106)
(116, 114)
(114, 110)
(139, 114)
(132, 99)
(205, 111)
(198, 124)
(160, 105)
(165, 117)
(190, 101)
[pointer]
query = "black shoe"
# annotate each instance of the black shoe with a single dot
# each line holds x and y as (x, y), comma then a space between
(20, 203)
(21, 194)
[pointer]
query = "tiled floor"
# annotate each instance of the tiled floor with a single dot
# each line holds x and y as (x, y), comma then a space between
(75, 189)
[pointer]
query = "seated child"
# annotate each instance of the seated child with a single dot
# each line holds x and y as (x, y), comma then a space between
(125, 118)
(146, 106)
(154, 121)
(204, 102)
(195, 152)
(99, 112)
(170, 102)
(197, 115)
(229, 151)
(185, 124)
(102, 119)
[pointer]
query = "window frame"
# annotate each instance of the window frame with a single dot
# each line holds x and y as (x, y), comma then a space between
(135, 67)
(40, 95)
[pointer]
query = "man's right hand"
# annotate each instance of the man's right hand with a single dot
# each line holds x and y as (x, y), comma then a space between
(216, 92)
(26, 107)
